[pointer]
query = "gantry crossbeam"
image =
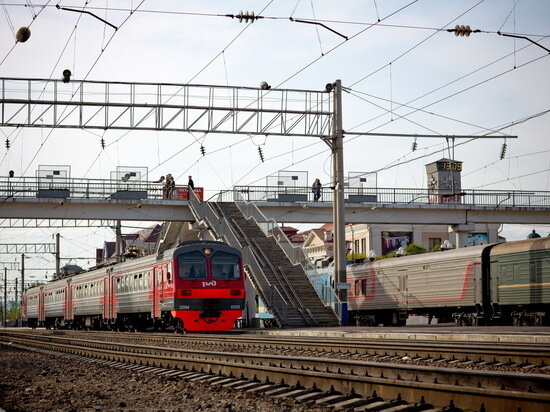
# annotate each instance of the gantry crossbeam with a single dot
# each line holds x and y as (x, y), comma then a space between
(18, 248)
(168, 107)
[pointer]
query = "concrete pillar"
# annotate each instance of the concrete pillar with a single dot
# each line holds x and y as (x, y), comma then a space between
(458, 234)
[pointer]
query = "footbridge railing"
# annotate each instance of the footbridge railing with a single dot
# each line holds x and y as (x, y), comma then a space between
(357, 195)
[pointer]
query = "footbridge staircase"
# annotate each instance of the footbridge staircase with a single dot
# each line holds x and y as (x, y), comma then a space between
(278, 270)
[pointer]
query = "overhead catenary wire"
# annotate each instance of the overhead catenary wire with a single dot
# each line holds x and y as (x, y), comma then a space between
(84, 78)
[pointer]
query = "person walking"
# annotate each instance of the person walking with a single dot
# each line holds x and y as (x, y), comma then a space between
(316, 190)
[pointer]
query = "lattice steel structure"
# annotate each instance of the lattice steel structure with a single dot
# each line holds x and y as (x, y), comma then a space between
(54, 223)
(166, 106)
(18, 248)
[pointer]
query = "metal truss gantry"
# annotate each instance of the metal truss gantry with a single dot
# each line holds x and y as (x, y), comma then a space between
(30, 248)
(167, 107)
(53, 223)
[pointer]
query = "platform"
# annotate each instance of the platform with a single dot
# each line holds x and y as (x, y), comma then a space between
(443, 333)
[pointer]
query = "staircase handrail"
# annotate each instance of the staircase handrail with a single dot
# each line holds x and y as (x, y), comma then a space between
(283, 281)
(295, 254)
(224, 231)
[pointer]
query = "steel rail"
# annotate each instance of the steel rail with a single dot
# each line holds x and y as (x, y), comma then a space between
(467, 389)
(525, 354)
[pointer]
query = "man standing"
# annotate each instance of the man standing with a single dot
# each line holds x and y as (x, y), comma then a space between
(316, 190)
(190, 183)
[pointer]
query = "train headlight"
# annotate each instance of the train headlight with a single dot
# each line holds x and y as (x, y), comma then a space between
(207, 251)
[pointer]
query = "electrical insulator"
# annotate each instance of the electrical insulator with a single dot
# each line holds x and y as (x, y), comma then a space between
(261, 153)
(503, 151)
(246, 16)
(102, 143)
(414, 146)
(462, 30)
(203, 150)
(7, 143)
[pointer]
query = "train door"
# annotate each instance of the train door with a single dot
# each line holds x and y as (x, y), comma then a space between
(41, 309)
(113, 295)
(403, 289)
(157, 290)
(107, 303)
(68, 302)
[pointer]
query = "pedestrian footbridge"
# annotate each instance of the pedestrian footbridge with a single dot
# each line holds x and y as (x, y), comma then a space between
(43, 198)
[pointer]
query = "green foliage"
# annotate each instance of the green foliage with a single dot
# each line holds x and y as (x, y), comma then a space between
(414, 249)
(411, 249)
(352, 256)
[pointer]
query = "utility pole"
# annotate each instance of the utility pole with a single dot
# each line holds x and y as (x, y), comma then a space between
(22, 274)
(5, 296)
(118, 244)
(339, 221)
(16, 303)
(57, 258)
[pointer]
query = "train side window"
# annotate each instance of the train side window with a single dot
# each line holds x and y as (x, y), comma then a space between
(192, 266)
(357, 287)
(225, 266)
(364, 286)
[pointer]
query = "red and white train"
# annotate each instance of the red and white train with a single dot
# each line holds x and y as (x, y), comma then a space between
(197, 286)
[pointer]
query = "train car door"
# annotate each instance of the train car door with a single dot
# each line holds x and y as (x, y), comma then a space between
(157, 290)
(68, 301)
(107, 304)
(41, 309)
(113, 295)
(403, 289)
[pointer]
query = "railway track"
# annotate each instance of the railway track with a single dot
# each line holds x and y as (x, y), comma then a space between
(353, 383)
(526, 357)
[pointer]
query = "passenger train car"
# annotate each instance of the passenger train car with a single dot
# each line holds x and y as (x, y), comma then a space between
(507, 283)
(197, 286)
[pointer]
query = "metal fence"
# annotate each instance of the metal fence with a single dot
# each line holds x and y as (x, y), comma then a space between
(44, 187)
(63, 188)
(353, 195)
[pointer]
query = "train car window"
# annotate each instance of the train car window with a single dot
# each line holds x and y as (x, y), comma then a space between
(168, 274)
(192, 266)
(357, 287)
(225, 266)
(364, 286)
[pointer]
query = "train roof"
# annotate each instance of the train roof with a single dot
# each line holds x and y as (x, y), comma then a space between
(473, 252)
(542, 243)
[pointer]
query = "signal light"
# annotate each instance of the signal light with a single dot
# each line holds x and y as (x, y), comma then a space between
(260, 152)
(462, 30)
(203, 150)
(66, 76)
(503, 151)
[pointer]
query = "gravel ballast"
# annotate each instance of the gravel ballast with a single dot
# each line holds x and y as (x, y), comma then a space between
(31, 381)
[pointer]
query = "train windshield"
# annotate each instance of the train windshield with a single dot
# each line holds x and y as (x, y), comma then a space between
(192, 266)
(225, 266)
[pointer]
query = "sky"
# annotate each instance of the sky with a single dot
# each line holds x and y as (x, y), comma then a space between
(403, 71)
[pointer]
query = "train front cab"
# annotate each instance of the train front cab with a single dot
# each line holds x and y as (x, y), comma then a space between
(209, 282)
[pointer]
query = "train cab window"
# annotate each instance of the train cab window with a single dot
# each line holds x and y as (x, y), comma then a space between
(225, 266)
(192, 266)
